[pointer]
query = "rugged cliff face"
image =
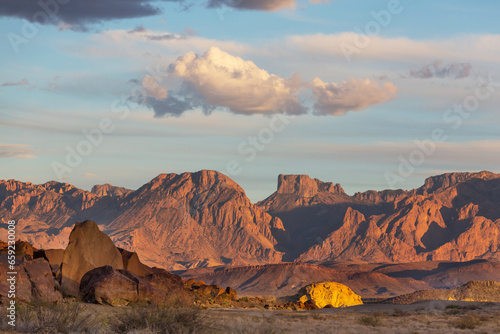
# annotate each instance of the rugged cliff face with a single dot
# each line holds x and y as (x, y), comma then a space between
(453, 216)
(174, 221)
(202, 219)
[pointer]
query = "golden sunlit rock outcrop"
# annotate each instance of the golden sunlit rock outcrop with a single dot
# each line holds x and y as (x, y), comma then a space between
(329, 293)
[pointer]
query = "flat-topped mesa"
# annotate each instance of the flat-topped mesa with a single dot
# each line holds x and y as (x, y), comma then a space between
(443, 181)
(304, 186)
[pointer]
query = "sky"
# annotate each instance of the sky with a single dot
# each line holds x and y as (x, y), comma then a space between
(369, 94)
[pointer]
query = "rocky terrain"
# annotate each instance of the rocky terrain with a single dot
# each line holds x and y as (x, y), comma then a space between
(57, 290)
(93, 269)
(369, 280)
(175, 221)
(204, 219)
(452, 217)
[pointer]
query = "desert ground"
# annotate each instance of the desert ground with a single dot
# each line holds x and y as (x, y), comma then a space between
(421, 317)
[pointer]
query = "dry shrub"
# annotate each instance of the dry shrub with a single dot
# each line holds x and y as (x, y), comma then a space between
(370, 320)
(159, 319)
(41, 317)
(469, 321)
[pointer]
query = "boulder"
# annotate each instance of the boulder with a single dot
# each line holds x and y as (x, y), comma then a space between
(42, 282)
(147, 292)
(132, 263)
(53, 256)
(34, 281)
(108, 286)
(329, 293)
(164, 280)
(105, 285)
(88, 248)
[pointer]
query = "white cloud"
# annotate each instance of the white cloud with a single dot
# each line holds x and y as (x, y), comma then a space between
(224, 80)
(132, 43)
(398, 49)
(352, 95)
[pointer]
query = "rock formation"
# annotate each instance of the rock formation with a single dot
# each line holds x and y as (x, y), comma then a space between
(478, 291)
(203, 219)
(107, 286)
(453, 217)
(329, 293)
(175, 221)
(34, 280)
(88, 248)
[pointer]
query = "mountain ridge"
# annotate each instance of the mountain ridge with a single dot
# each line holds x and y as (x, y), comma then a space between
(201, 219)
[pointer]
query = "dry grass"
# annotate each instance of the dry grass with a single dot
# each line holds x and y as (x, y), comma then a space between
(158, 319)
(54, 318)
(148, 319)
(370, 320)
(469, 321)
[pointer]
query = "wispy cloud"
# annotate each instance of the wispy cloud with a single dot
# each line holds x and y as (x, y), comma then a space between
(262, 5)
(352, 95)
(17, 151)
(397, 49)
(440, 70)
(23, 82)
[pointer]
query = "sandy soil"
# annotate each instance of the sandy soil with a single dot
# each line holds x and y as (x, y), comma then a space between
(422, 317)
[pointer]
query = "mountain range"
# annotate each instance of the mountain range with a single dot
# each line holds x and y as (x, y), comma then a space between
(204, 219)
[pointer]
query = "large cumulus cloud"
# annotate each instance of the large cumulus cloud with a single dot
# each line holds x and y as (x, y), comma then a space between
(217, 79)
(223, 80)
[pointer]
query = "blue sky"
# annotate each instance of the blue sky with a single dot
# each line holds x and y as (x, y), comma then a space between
(252, 89)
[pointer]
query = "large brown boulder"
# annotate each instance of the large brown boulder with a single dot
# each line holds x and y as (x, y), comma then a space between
(88, 248)
(34, 281)
(105, 285)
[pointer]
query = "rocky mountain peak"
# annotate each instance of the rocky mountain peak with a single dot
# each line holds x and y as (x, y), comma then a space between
(305, 186)
(204, 179)
(13, 185)
(109, 190)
